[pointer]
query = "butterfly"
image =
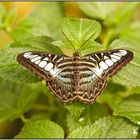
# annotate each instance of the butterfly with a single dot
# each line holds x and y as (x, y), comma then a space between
(78, 77)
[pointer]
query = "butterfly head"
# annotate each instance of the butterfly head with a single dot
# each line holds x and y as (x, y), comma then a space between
(76, 54)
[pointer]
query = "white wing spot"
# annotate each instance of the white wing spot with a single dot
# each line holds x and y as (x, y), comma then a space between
(49, 66)
(98, 71)
(124, 52)
(37, 62)
(118, 54)
(92, 58)
(109, 62)
(35, 59)
(42, 64)
(114, 60)
(46, 58)
(103, 65)
(105, 57)
(54, 71)
(32, 56)
(115, 57)
(27, 54)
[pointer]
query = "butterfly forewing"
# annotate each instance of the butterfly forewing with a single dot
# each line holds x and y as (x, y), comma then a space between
(72, 78)
(43, 64)
(107, 63)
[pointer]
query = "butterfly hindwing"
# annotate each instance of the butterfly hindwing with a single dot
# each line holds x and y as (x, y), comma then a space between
(62, 90)
(91, 89)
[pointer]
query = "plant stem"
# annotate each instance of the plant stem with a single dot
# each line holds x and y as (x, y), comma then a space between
(24, 120)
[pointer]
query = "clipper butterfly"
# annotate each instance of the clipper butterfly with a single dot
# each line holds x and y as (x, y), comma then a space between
(77, 77)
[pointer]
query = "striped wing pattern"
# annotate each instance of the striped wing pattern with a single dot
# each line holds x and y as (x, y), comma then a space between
(72, 78)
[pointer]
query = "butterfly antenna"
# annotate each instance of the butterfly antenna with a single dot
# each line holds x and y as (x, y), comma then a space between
(69, 41)
(84, 44)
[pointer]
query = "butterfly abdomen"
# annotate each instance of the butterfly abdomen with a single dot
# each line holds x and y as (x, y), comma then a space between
(76, 71)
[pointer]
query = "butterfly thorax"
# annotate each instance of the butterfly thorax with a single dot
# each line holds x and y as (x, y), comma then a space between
(76, 71)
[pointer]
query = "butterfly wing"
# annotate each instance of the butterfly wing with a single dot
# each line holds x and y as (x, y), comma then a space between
(51, 68)
(100, 66)
(59, 72)
(40, 63)
(109, 62)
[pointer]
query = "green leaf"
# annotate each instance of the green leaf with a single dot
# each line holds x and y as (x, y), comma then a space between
(135, 90)
(97, 9)
(121, 17)
(107, 127)
(75, 109)
(128, 75)
(132, 33)
(112, 95)
(44, 19)
(80, 31)
(87, 117)
(11, 70)
(16, 99)
(92, 113)
(41, 129)
(40, 116)
(91, 47)
(9, 18)
(63, 44)
(41, 43)
(129, 108)
(72, 123)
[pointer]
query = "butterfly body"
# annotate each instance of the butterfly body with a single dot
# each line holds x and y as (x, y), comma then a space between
(77, 77)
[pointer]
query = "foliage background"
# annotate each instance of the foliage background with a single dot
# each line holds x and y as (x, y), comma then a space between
(28, 110)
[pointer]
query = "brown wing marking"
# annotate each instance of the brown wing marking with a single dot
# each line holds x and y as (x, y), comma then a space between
(63, 91)
(91, 90)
